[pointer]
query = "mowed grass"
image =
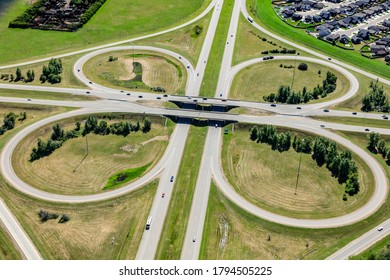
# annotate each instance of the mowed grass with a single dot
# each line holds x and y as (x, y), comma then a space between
(116, 20)
(34, 113)
(356, 121)
(183, 41)
(45, 95)
(250, 44)
(254, 170)
(104, 230)
(210, 80)
(175, 225)
(158, 70)
(256, 81)
(67, 77)
(8, 251)
(68, 170)
(268, 18)
(355, 103)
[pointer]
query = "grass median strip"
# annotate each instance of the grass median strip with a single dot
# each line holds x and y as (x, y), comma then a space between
(213, 67)
(175, 225)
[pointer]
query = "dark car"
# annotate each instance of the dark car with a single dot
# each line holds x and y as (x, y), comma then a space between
(158, 97)
(329, 58)
(122, 91)
(326, 110)
(127, 93)
(204, 98)
(88, 92)
(165, 95)
(140, 96)
(90, 83)
(273, 105)
(299, 108)
(171, 179)
(163, 195)
(354, 113)
(367, 129)
(322, 125)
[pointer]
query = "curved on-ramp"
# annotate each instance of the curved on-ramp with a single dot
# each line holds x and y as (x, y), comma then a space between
(377, 199)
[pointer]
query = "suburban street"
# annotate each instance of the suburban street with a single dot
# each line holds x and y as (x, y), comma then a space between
(166, 170)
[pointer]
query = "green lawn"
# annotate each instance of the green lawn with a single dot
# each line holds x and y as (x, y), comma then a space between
(7, 248)
(256, 81)
(116, 20)
(356, 121)
(45, 95)
(211, 74)
(175, 224)
(124, 176)
(268, 18)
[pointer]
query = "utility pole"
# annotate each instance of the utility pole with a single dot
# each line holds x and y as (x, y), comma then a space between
(299, 169)
(86, 141)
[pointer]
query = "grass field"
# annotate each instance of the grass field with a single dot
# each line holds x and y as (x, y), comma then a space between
(256, 81)
(45, 95)
(268, 18)
(158, 70)
(69, 171)
(250, 44)
(67, 77)
(248, 236)
(355, 103)
(7, 249)
(104, 230)
(34, 113)
(175, 224)
(211, 74)
(256, 174)
(183, 41)
(356, 121)
(116, 20)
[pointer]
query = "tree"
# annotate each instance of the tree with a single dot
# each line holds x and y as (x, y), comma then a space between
(147, 125)
(58, 132)
(352, 184)
(373, 139)
(302, 66)
(78, 125)
(18, 74)
(253, 135)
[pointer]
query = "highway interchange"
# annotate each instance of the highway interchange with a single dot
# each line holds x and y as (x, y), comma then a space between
(113, 100)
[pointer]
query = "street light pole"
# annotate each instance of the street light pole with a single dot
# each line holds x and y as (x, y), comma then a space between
(299, 168)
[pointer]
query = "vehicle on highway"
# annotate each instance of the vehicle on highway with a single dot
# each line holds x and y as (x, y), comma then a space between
(299, 108)
(158, 97)
(268, 57)
(216, 125)
(165, 95)
(90, 83)
(380, 228)
(273, 105)
(250, 19)
(140, 96)
(28, 99)
(329, 58)
(326, 110)
(194, 239)
(188, 66)
(171, 179)
(179, 57)
(322, 125)
(127, 93)
(189, 97)
(197, 74)
(367, 129)
(385, 117)
(204, 98)
(148, 223)
(88, 92)
(354, 113)
(122, 91)
(163, 195)
(78, 70)
(223, 100)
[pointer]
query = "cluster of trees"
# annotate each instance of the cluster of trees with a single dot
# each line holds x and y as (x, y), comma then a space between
(91, 10)
(9, 121)
(121, 128)
(57, 138)
(286, 95)
(45, 216)
(378, 145)
(24, 19)
(322, 150)
(376, 99)
(92, 124)
(30, 76)
(52, 71)
(383, 254)
(283, 51)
